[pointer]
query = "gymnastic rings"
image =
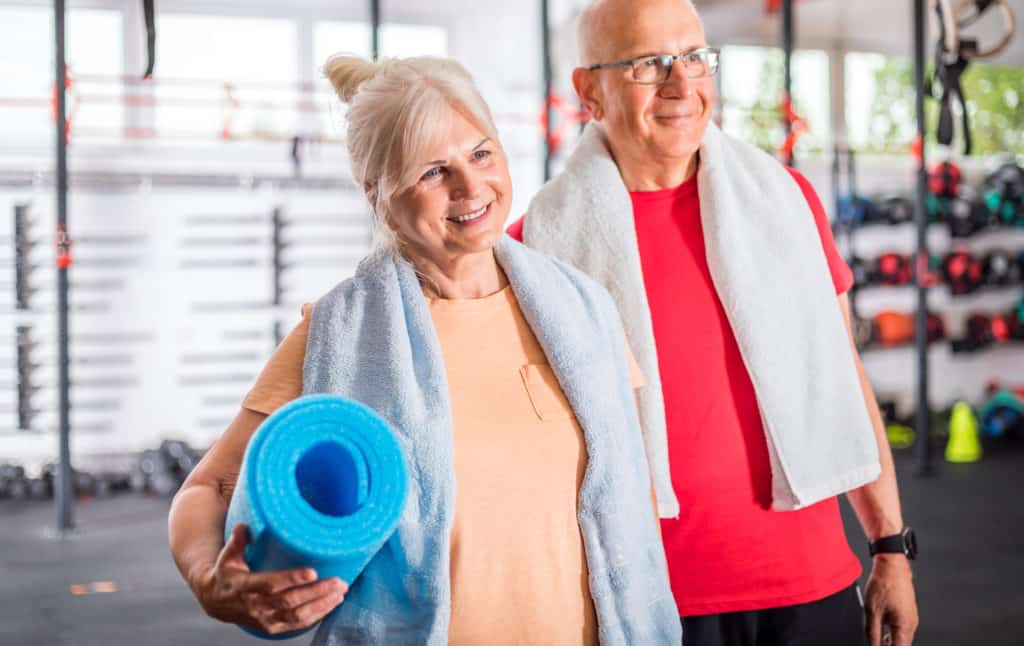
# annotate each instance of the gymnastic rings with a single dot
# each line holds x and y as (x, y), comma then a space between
(956, 16)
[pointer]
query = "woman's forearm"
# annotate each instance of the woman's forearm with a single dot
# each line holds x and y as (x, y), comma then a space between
(196, 530)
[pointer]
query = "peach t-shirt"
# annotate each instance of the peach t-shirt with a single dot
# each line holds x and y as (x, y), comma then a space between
(518, 567)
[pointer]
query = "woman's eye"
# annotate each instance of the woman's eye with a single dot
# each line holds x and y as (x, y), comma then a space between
(432, 173)
(481, 154)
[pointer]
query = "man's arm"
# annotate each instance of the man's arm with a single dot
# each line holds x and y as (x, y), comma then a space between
(889, 598)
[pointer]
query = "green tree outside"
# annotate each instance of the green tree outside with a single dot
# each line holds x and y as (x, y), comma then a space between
(994, 96)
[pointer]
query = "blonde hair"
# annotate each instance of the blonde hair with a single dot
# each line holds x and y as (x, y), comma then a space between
(397, 109)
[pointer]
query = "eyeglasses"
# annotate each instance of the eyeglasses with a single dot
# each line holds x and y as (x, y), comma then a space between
(654, 70)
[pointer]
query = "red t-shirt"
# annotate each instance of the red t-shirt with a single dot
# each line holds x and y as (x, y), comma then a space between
(727, 551)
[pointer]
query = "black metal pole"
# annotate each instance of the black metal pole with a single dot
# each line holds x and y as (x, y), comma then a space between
(545, 36)
(922, 423)
(787, 52)
(375, 28)
(277, 241)
(64, 494)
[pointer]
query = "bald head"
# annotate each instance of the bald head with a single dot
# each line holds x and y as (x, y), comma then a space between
(602, 22)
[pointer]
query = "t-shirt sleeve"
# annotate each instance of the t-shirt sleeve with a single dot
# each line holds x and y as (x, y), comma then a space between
(842, 276)
(515, 230)
(280, 381)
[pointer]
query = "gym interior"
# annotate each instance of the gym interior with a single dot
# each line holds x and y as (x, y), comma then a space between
(176, 186)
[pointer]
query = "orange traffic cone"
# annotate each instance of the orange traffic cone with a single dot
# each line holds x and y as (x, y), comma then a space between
(963, 445)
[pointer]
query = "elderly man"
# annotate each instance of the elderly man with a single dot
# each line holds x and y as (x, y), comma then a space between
(757, 412)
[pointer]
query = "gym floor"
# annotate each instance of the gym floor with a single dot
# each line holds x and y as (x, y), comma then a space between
(113, 582)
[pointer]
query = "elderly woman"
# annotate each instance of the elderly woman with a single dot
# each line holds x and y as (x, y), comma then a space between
(507, 379)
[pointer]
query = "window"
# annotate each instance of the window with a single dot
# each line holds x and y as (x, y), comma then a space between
(336, 37)
(94, 50)
(751, 92)
(226, 77)
(880, 106)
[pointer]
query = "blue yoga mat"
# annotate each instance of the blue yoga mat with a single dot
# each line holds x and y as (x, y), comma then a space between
(322, 485)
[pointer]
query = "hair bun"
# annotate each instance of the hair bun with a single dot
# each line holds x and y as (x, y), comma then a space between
(346, 73)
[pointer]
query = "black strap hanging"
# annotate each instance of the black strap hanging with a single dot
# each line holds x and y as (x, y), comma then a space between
(150, 14)
(952, 55)
(949, 68)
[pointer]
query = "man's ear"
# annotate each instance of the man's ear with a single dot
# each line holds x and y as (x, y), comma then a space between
(589, 92)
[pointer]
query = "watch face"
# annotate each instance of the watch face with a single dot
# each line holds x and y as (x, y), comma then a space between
(909, 543)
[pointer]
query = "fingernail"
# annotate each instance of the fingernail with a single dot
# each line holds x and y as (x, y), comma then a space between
(310, 575)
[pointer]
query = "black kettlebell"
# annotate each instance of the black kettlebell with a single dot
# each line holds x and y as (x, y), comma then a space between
(896, 209)
(863, 273)
(1004, 194)
(1001, 268)
(966, 215)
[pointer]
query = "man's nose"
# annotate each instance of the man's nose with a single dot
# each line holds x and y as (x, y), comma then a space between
(677, 84)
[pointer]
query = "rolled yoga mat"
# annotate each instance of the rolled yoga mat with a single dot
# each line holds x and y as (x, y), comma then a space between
(322, 485)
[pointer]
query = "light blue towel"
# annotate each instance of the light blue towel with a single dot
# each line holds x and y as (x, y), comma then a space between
(322, 485)
(372, 339)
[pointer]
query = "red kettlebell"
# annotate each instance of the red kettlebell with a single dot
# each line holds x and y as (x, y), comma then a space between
(944, 179)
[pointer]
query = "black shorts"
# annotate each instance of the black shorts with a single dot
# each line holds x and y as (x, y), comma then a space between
(837, 620)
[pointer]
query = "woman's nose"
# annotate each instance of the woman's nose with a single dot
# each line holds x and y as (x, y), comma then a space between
(466, 185)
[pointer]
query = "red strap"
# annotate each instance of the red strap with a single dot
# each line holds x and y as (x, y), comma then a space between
(797, 127)
(63, 248)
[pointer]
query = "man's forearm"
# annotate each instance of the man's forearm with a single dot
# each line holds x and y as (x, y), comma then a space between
(877, 504)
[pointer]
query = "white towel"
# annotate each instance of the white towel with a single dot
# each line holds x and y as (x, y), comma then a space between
(770, 272)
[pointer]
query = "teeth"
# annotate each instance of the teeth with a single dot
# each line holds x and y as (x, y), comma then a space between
(469, 216)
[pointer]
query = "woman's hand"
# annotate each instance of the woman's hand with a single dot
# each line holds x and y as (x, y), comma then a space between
(271, 602)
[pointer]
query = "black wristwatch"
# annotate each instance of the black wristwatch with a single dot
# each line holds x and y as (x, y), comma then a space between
(903, 543)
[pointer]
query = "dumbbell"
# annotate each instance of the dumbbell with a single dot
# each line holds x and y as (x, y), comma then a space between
(963, 272)
(39, 489)
(85, 483)
(179, 456)
(893, 269)
(896, 209)
(13, 483)
(944, 179)
(1001, 268)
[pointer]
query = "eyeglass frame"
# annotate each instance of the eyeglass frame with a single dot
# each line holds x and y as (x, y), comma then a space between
(675, 57)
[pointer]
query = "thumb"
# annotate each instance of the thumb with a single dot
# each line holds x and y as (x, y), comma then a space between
(233, 552)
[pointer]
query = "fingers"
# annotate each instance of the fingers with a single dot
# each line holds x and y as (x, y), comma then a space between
(297, 597)
(302, 607)
(271, 583)
(874, 627)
